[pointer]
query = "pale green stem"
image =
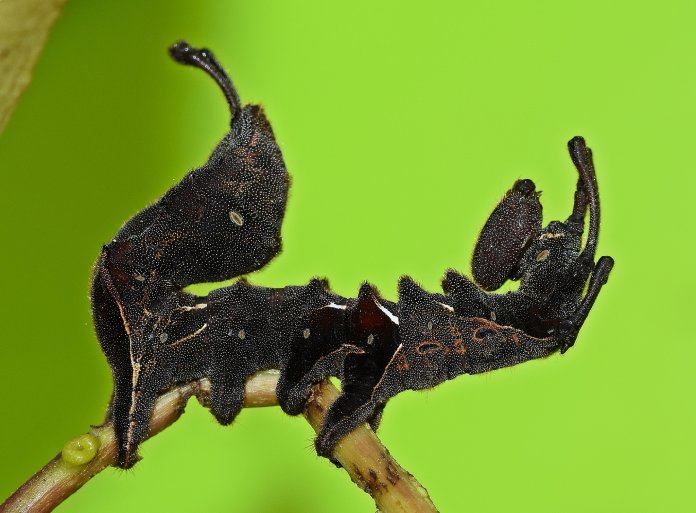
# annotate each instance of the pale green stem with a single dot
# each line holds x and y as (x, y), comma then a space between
(362, 455)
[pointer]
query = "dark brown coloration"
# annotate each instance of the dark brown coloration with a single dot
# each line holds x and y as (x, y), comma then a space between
(506, 235)
(223, 220)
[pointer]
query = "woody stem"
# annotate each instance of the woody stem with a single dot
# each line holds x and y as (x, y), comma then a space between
(366, 460)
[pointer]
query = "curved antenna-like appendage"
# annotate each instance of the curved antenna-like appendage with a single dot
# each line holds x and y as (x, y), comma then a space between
(202, 58)
(582, 158)
(579, 205)
(599, 277)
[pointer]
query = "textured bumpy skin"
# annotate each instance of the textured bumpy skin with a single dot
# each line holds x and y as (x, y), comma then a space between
(510, 228)
(223, 220)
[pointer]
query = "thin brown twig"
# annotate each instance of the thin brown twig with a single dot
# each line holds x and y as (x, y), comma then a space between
(366, 460)
(369, 463)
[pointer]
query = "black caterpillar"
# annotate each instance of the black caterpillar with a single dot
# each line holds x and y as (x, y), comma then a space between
(223, 220)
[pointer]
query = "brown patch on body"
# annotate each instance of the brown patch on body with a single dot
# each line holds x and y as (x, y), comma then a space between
(516, 339)
(170, 238)
(401, 363)
(120, 276)
(459, 346)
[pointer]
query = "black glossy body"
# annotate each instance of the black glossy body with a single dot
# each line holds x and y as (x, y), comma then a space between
(223, 220)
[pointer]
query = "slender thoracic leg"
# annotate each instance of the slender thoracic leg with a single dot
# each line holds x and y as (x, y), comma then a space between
(599, 277)
(582, 158)
(202, 58)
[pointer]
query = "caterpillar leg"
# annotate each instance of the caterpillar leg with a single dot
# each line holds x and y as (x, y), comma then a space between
(226, 398)
(581, 156)
(354, 406)
(314, 323)
(132, 408)
(568, 330)
(374, 329)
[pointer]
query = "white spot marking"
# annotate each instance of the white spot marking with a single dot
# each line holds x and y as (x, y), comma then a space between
(391, 316)
(163, 337)
(336, 306)
(446, 307)
(198, 306)
(544, 236)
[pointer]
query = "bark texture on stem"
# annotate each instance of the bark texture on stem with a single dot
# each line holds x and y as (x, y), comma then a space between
(369, 463)
(362, 455)
(24, 28)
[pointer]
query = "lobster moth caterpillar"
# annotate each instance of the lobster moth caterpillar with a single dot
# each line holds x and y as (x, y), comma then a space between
(223, 220)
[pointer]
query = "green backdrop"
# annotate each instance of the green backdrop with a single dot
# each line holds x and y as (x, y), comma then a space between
(401, 126)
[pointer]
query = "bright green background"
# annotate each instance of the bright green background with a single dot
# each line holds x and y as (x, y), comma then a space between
(401, 127)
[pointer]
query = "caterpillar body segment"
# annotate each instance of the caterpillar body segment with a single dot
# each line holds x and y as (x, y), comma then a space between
(223, 220)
